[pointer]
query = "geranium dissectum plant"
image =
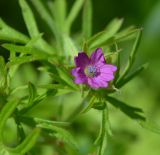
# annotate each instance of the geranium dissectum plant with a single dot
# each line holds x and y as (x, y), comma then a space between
(38, 71)
(93, 71)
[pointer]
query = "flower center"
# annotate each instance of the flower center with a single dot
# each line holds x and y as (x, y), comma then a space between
(91, 71)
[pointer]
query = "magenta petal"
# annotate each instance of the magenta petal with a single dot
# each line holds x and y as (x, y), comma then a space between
(97, 56)
(79, 74)
(92, 83)
(107, 76)
(97, 83)
(82, 60)
(80, 80)
(108, 68)
(75, 71)
(107, 72)
(101, 81)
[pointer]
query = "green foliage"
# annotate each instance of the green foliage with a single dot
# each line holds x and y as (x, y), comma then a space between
(73, 14)
(51, 83)
(132, 112)
(105, 36)
(87, 19)
(7, 33)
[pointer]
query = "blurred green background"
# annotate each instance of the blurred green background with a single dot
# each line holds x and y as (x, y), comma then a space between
(144, 91)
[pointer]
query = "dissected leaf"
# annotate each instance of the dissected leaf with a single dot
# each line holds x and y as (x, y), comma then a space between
(150, 125)
(44, 14)
(90, 104)
(33, 121)
(87, 19)
(104, 36)
(7, 33)
(125, 34)
(5, 113)
(32, 26)
(73, 14)
(64, 75)
(132, 112)
(32, 93)
(37, 53)
(3, 74)
(27, 144)
(59, 9)
(70, 48)
(21, 60)
(132, 55)
(60, 133)
(125, 80)
(29, 18)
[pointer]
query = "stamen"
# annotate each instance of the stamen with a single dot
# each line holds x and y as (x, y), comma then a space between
(91, 71)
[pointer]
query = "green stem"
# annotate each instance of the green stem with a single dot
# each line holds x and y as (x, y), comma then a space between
(79, 109)
(20, 130)
(103, 135)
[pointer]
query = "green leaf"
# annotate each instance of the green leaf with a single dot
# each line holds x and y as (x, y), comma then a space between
(12, 68)
(125, 34)
(64, 75)
(32, 93)
(58, 9)
(150, 125)
(132, 112)
(9, 34)
(87, 19)
(38, 99)
(104, 36)
(90, 104)
(73, 14)
(37, 53)
(70, 48)
(118, 64)
(34, 121)
(27, 144)
(21, 60)
(128, 78)
(61, 134)
(64, 91)
(44, 14)
(29, 18)
(5, 113)
(3, 74)
(32, 26)
(132, 55)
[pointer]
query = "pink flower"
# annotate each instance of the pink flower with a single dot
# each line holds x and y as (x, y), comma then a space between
(93, 71)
